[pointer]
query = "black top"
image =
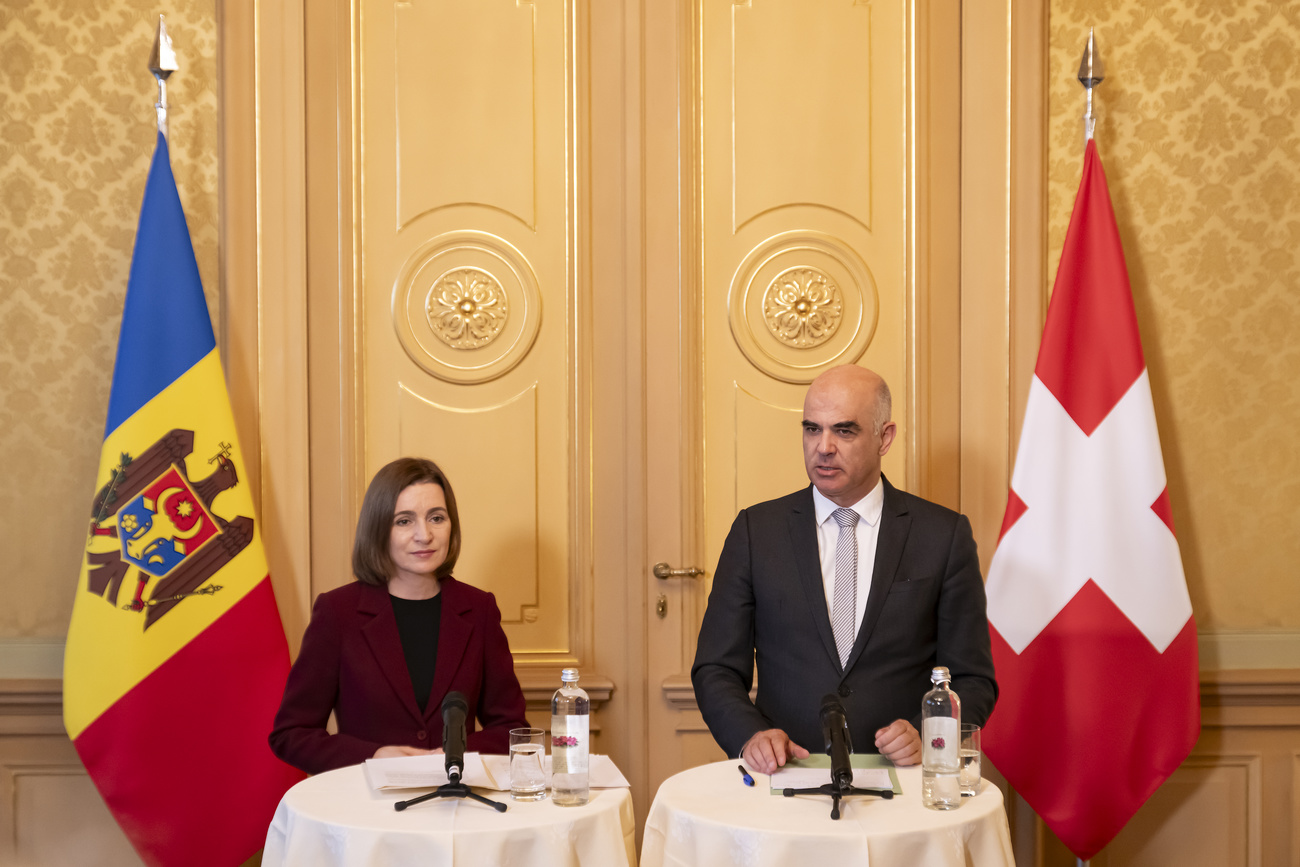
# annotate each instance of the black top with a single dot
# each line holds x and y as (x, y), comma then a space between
(417, 624)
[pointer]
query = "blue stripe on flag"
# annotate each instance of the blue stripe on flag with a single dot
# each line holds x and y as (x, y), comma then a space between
(165, 325)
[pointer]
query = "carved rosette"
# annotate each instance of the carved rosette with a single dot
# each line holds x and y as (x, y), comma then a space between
(802, 307)
(800, 303)
(467, 308)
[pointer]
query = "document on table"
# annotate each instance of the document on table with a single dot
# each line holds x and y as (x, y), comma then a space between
(602, 772)
(483, 771)
(870, 771)
(423, 772)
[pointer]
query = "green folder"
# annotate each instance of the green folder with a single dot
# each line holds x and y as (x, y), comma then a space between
(858, 760)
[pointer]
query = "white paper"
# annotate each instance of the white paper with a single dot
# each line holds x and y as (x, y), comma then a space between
(808, 778)
(602, 773)
(423, 772)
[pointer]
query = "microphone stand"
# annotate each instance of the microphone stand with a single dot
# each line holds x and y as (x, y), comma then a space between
(837, 792)
(454, 788)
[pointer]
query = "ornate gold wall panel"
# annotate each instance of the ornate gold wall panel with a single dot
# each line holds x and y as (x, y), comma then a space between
(784, 57)
(1200, 135)
(466, 103)
(78, 133)
(804, 245)
(469, 284)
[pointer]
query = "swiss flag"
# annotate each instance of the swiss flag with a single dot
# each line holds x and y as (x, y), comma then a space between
(1093, 636)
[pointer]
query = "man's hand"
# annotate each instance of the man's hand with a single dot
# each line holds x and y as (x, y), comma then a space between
(899, 742)
(396, 752)
(769, 750)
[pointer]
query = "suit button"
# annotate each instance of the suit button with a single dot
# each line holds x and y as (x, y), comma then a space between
(845, 692)
(422, 735)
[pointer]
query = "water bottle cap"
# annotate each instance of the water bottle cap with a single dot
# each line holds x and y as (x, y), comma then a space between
(569, 675)
(939, 674)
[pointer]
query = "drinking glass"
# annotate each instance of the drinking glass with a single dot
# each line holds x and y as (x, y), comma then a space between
(970, 760)
(527, 772)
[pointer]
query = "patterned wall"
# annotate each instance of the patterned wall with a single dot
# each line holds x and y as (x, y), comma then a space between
(76, 136)
(1200, 136)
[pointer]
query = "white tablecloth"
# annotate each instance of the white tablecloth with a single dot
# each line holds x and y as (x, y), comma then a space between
(336, 820)
(706, 816)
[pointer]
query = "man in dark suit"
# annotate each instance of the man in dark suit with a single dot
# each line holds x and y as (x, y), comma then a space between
(849, 586)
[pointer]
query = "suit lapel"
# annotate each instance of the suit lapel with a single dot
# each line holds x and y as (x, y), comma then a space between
(895, 523)
(385, 643)
(803, 541)
(454, 631)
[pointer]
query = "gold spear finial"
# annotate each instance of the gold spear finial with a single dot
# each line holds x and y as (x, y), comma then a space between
(1091, 73)
(162, 63)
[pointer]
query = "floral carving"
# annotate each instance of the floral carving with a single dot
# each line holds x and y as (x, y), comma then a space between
(467, 308)
(802, 307)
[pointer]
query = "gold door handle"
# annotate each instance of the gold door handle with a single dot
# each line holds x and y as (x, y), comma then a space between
(663, 572)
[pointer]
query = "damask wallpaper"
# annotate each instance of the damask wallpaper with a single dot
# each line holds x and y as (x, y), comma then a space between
(76, 137)
(1200, 135)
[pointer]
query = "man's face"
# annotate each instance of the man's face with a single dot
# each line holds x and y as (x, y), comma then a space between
(841, 450)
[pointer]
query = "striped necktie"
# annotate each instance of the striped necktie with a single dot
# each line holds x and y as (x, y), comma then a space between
(845, 604)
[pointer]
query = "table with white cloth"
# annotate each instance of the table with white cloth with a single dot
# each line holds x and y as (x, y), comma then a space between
(706, 816)
(336, 820)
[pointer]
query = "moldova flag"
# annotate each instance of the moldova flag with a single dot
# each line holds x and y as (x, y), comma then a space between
(176, 657)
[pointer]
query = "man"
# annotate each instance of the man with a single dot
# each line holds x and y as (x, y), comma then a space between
(849, 586)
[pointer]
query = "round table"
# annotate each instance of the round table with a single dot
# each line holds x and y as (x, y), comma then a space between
(706, 816)
(336, 820)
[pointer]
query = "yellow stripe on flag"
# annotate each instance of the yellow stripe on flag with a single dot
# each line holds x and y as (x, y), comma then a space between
(108, 649)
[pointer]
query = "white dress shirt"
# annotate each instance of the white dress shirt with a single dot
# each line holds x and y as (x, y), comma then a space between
(868, 531)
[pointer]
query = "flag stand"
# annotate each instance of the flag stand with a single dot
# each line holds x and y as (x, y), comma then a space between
(1087, 577)
(1092, 72)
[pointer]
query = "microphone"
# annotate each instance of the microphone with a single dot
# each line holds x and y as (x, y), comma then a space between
(454, 710)
(835, 729)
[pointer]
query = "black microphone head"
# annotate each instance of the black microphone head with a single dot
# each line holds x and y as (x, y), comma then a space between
(455, 700)
(834, 721)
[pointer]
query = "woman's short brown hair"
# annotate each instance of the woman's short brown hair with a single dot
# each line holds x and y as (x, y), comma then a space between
(370, 560)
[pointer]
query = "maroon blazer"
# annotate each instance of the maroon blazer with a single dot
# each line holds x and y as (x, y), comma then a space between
(352, 663)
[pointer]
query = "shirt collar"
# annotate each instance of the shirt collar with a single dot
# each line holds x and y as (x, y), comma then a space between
(868, 508)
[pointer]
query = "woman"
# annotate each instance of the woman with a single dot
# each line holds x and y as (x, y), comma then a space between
(382, 653)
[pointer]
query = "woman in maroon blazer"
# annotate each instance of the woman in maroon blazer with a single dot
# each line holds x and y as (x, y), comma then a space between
(382, 653)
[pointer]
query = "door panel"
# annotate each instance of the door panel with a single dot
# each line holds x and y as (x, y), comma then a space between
(792, 237)
(469, 291)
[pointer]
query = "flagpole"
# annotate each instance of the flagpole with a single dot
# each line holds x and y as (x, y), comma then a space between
(162, 63)
(1091, 73)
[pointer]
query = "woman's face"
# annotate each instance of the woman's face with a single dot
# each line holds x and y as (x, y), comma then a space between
(421, 532)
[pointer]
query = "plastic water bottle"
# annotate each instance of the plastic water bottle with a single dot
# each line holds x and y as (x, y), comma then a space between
(941, 744)
(570, 742)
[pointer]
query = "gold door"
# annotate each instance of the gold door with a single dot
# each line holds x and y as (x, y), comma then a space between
(798, 241)
(470, 291)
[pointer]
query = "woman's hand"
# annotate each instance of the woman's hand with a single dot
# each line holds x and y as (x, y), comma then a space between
(396, 752)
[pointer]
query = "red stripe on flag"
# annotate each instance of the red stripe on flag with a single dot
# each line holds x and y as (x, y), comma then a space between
(1064, 728)
(1164, 511)
(1015, 508)
(182, 759)
(1091, 352)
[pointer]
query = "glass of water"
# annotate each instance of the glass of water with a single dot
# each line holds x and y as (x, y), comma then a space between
(527, 770)
(970, 760)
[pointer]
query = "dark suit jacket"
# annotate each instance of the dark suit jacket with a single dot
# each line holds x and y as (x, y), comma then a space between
(352, 663)
(768, 606)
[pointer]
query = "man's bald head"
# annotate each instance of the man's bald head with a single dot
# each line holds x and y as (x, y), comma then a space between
(846, 431)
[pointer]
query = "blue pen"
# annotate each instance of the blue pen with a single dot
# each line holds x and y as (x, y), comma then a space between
(749, 781)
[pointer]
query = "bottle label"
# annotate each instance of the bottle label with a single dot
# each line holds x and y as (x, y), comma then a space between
(569, 744)
(940, 742)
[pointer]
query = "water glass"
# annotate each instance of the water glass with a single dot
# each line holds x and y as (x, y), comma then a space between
(527, 759)
(970, 760)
